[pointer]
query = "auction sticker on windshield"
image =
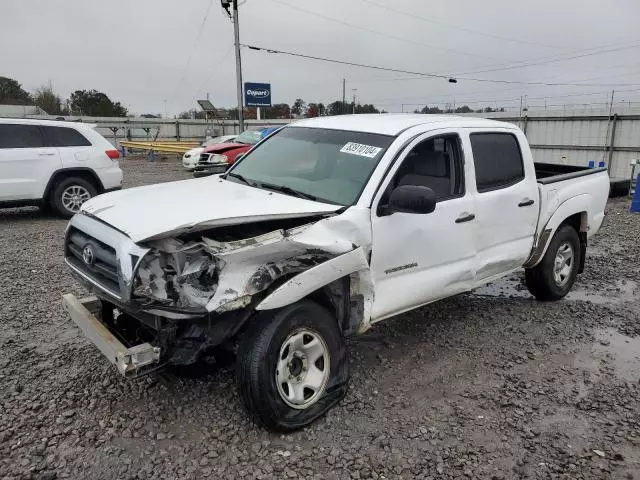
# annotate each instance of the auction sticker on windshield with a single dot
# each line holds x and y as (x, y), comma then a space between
(360, 149)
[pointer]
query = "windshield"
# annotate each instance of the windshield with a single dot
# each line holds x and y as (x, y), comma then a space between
(330, 165)
(249, 136)
(214, 141)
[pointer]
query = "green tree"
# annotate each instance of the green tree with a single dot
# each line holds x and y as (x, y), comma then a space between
(95, 104)
(338, 108)
(427, 109)
(464, 109)
(12, 93)
(312, 110)
(298, 107)
(282, 110)
(47, 100)
(277, 110)
(322, 110)
(366, 108)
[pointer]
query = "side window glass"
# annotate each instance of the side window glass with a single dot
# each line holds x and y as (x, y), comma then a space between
(497, 159)
(64, 137)
(435, 163)
(20, 136)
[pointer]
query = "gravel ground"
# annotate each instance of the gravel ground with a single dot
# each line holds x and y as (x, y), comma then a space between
(485, 385)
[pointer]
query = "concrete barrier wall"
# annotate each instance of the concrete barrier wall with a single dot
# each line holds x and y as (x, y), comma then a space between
(573, 139)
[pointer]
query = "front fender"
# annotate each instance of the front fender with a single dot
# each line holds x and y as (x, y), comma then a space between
(578, 204)
(316, 277)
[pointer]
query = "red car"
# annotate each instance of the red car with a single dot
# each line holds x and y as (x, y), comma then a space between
(217, 158)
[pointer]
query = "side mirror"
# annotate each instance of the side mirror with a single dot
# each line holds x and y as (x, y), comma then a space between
(412, 199)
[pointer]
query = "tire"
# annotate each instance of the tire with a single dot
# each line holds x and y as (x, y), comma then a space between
(69, 194)
(554, 276)
(279, 345)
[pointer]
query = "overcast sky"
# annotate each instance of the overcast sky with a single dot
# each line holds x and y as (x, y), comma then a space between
(143, 52)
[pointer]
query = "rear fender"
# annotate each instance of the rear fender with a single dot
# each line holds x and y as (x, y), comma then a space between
(576, 205)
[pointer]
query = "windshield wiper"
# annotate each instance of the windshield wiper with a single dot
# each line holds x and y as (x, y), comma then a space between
(241, 178)
(289, 191)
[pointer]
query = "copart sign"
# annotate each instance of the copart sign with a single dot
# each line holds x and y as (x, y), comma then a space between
(257, 94)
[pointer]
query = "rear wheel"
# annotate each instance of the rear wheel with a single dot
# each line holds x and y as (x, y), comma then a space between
(69, 194)
(292, 366)
(554, 276)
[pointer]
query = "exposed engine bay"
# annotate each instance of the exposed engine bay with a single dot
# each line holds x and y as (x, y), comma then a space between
(221, 269)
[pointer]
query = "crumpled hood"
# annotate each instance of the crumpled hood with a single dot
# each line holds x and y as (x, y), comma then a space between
(224, 147)
(164, 209)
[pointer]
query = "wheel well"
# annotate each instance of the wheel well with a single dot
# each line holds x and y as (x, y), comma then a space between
(579, 222)
(84, 173)
(336, 298)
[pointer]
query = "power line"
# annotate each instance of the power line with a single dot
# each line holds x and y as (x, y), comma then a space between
(455, 27)
(486, 69)
(432, 75)
(465, 97)
(554, 60)
(195, 44)
(400, 79)
(377, 32)
(217, 70)
(342, 62)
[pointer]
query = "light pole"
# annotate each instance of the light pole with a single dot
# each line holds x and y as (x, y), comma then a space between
(354, 91)
(233, 4)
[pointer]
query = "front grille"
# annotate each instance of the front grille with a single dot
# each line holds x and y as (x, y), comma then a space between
(204, 159)
(93, 258)
(208, 159)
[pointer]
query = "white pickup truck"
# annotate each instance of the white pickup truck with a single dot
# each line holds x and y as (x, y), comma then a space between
(324, 228)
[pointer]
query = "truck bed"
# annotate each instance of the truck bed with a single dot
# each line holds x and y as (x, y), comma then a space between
(567, 187)
(551, 173)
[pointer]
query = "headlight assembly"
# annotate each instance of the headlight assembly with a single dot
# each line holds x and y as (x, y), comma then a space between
(181, 278)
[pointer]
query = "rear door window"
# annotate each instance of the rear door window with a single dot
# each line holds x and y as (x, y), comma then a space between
(497, 159)
(64, 137)
(20, 136)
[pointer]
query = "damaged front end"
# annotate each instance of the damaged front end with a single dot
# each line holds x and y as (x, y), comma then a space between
(196, 290)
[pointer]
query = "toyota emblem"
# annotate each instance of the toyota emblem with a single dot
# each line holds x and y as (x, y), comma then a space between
(87, 255)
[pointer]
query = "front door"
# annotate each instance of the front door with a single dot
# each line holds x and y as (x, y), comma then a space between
(419, 258)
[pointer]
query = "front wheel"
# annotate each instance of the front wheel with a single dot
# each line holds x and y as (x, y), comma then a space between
(292, 366)
(554, 276)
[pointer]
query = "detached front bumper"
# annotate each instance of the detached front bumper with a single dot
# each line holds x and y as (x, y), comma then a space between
(130, 362)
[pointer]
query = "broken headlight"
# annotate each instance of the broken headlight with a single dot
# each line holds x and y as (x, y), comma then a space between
(177, 276)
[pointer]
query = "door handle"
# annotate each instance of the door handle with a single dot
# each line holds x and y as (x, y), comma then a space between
(46, 154)
(526, 202)
(465, 217)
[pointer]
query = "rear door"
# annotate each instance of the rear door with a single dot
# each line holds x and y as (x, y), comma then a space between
(506, 201)
(74, 148)
(25, 163)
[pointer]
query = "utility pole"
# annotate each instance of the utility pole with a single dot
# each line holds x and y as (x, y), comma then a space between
(520, 106)
(354, 90)
(236, 34)
(344, 95)
(606, 138)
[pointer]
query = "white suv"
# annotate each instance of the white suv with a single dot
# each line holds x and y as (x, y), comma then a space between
(55, 164)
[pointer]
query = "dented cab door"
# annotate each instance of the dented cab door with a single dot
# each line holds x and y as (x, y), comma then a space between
(420, 258)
